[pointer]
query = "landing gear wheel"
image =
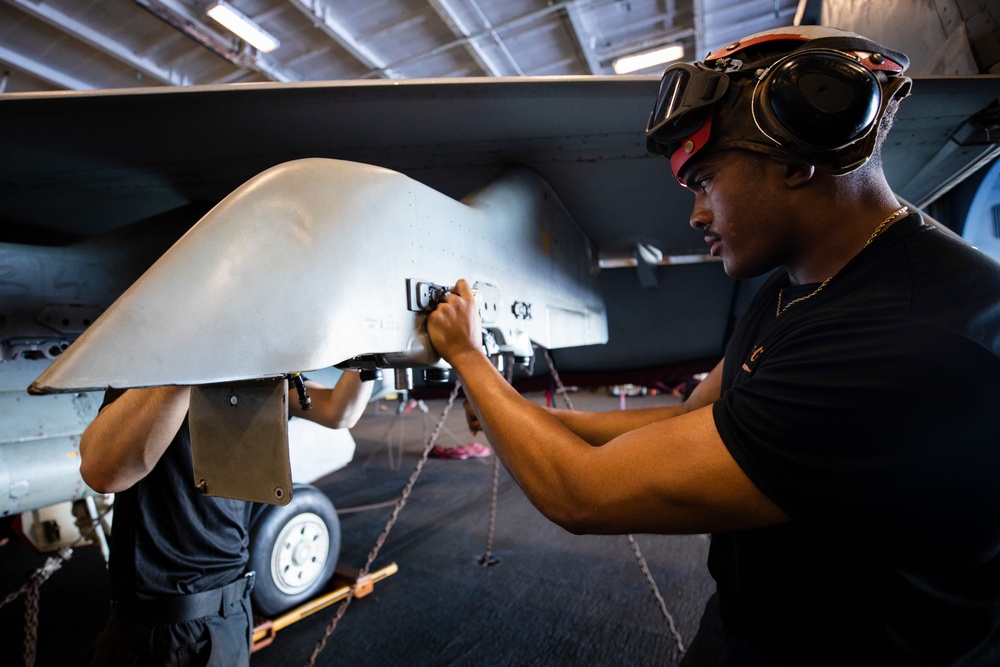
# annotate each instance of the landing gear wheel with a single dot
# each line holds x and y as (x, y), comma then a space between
(293, 549)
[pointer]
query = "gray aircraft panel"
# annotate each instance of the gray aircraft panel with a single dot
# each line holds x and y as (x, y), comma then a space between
(87, 162)
(320, 262)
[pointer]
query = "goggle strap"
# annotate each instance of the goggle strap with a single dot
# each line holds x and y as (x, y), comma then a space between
(689, 147)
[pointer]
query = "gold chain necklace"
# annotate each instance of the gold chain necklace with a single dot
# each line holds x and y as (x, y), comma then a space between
(878, 230)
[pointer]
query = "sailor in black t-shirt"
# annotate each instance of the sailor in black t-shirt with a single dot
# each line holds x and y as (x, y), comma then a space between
(178, 559)
(855, 514)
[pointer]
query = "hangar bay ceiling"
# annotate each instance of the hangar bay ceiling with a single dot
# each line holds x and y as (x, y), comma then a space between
(92, 44)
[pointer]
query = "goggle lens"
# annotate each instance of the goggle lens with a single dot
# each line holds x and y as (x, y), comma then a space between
(672, 87)
(685, 98)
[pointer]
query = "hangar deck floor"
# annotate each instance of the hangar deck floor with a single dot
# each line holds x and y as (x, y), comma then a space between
(553, 599)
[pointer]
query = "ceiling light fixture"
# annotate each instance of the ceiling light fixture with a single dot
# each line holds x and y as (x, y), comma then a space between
(243, 27)
(641, 61)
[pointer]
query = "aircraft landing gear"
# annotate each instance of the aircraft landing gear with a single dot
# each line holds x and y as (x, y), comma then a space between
(294, 550)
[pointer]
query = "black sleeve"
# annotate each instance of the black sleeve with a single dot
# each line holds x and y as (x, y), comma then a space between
(111, 395)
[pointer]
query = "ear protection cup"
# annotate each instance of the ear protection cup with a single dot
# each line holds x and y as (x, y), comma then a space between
(816, 100)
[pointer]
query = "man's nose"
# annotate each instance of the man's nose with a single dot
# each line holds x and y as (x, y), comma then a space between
(700, 216)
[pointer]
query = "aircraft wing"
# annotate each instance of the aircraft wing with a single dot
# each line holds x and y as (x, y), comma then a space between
(80, 165)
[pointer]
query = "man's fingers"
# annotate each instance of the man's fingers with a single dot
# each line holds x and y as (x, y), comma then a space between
(461, 288)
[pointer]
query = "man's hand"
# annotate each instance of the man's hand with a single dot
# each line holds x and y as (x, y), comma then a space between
(454, 326)
(472, 419)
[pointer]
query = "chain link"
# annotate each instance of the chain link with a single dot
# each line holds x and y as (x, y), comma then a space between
(321, 644)
(30, 589)
(365, 508)
(16, 594)
(643, 566)
(560, 388)
(31, 623)
(487, 559)
(671, 625)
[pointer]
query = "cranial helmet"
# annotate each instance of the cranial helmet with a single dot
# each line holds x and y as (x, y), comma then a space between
(807, 92)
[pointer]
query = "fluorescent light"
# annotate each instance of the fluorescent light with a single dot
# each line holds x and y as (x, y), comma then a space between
(642, 61)
(244, 28)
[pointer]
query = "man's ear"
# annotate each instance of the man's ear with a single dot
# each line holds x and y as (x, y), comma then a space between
(798, 173)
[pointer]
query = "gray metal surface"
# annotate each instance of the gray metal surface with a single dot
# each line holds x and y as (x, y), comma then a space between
(47, 297)
(584, 135)
(311, 264)
(40, 443)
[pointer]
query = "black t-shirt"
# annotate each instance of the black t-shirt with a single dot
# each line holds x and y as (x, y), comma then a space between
(167, 538)
(870, 413)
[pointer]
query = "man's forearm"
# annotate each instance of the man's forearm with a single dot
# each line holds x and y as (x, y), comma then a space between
(541, 454)
(598, 428)
(339, 407)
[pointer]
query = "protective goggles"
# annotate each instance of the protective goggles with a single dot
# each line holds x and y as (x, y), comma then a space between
(687, 93)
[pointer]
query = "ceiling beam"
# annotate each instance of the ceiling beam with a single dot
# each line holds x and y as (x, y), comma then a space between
(585, 38)
(444, 9)
(660, 40)
(515, 22)
(324, 20)
(95, 39)
(698, 13)
(599, 59)
(722, 25)
(42, 71)
(177, 16)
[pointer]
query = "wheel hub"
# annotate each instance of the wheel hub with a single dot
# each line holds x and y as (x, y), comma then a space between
(300, 553)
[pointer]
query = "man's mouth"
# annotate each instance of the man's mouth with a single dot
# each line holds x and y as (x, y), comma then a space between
(714, 243)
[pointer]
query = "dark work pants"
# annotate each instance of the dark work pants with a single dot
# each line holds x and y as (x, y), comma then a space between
(713, 646)
(219, 640)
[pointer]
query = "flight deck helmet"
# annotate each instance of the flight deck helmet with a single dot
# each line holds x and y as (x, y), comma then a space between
(807, 92)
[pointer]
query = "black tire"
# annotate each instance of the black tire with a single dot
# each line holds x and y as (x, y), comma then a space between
(293, 550)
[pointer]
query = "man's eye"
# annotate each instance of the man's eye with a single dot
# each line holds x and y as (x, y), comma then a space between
(702, 182)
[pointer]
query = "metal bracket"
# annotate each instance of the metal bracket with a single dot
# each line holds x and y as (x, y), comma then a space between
(239, 440)
(423, 295)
